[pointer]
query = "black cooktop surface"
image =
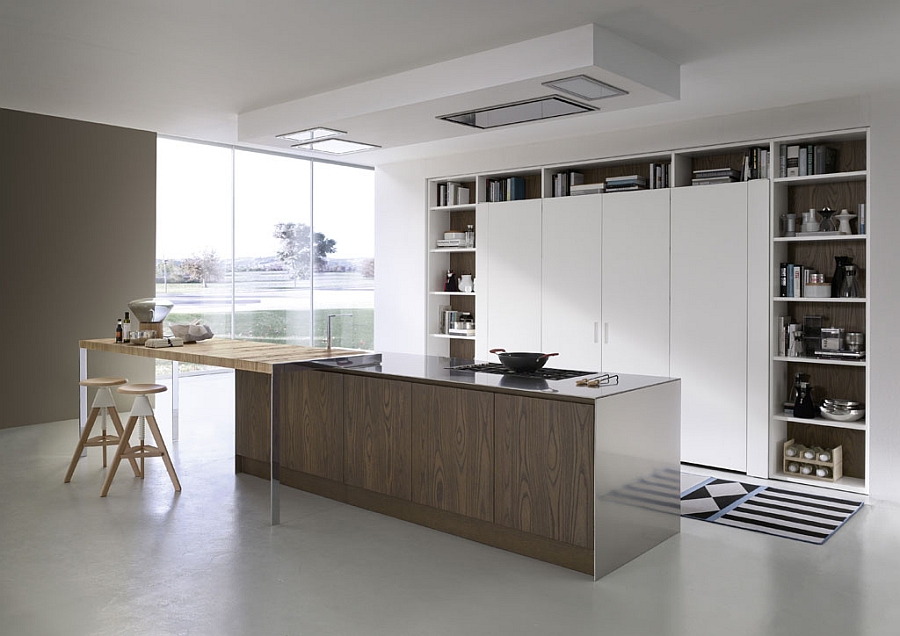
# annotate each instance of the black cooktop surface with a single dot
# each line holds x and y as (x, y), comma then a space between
(543, 374)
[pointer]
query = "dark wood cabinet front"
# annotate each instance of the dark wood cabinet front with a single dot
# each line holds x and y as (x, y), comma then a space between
(453, 450)
(312, 432)
(544, 462)
(377, 439)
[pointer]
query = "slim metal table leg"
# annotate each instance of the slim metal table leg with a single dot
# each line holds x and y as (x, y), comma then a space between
(82, 394)
(275, 443)
(175, 400)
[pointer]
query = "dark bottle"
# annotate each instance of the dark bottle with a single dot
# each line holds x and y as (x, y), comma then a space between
(804, 405)
(838, 278)
(126, 328)
(119, 331)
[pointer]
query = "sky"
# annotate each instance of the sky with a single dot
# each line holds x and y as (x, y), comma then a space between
(195, 198)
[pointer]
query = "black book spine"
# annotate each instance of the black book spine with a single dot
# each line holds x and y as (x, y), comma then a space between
(783, 284)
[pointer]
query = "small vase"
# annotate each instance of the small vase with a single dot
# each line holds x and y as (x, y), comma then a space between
(845, 219)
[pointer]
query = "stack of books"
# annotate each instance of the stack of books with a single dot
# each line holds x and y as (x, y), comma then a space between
(631, 182)
(714, 176)
(587, 188)
(452, 193)
(807, 159)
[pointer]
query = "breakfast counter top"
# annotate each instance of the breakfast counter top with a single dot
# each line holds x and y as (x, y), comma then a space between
(244, 355)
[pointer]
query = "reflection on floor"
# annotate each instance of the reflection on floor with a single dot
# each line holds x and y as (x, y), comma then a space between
(148, 561)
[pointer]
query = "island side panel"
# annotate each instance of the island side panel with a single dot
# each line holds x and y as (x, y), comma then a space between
(377, 436)
(251, 422)
(637, 479)
(544, 463)
(453, 450)
(312, 431)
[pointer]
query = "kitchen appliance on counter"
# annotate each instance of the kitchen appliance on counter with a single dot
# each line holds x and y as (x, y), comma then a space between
(543, 373)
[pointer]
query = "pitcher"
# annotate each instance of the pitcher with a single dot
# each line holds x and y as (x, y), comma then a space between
(465, 283)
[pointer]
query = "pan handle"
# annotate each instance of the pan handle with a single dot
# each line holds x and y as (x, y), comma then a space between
(548, 355)
(497, 351)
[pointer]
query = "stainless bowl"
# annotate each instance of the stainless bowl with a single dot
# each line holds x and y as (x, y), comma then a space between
(151, 309)
(851, 415)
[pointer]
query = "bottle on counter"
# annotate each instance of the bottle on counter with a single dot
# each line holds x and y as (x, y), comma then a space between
(119, 331)
(126, 328)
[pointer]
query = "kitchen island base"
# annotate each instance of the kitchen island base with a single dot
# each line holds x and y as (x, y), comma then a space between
(546, 474)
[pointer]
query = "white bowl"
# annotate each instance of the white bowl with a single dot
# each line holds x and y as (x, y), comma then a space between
(843, 416)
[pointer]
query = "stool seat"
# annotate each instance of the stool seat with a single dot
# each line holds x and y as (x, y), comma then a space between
(104, 405)
(100, 382)
(141, 389)
(141, 412)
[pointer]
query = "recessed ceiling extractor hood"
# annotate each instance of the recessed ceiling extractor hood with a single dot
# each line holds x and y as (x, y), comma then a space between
(518, 112)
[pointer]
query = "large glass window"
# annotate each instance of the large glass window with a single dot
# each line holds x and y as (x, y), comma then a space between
(261, 246)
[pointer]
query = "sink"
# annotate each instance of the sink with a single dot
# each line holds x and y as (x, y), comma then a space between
(353, 361)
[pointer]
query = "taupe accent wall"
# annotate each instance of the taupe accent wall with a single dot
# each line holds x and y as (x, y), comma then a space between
(77, 242)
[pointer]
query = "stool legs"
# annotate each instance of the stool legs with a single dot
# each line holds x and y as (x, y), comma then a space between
(143, 412)
(101, 406)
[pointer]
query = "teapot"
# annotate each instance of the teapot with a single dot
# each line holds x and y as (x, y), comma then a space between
(466, 284)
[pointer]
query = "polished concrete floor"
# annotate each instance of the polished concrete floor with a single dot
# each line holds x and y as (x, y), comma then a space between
(148, 561)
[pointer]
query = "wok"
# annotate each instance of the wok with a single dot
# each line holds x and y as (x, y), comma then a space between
(522, 361)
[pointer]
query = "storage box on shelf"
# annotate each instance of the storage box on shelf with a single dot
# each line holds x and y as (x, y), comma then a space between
(834, 466)
(837, 180)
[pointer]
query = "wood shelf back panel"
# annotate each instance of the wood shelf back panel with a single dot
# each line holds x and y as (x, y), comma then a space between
(462, 263)
(459, 219)
(733, 159)
(847, 316)
(820, 256)
(843, 383)
(464, 349)
(837, 196)
(853, 444)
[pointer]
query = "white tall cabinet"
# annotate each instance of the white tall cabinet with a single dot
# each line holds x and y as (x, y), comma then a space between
(509, 277)
(571, 281)
(635, 282)
(709, 325)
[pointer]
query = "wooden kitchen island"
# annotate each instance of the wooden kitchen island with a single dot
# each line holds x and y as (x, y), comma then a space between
(586, 478)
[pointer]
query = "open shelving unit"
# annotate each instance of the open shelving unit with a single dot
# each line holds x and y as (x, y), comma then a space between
(846, 188)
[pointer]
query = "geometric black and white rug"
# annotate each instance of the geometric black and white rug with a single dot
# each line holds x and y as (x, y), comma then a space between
(776, 511)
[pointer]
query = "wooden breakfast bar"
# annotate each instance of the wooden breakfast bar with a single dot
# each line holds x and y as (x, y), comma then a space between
(263, 358)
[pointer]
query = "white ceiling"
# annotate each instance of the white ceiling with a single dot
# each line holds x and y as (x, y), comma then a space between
(199, 69)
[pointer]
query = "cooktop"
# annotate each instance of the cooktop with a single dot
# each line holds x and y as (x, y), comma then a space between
(543, 374)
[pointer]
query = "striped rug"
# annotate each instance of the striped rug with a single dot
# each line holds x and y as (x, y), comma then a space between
(777, 511)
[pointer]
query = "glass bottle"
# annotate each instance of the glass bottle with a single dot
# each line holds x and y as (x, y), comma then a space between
(119, 331)
(850, 284)
(838, 278)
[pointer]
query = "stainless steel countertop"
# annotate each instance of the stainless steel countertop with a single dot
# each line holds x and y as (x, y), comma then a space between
(438, 369)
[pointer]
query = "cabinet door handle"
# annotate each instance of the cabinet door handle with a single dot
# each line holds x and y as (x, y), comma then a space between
(605, 333)
(596, 332)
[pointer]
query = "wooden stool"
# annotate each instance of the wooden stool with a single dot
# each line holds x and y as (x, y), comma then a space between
(103, 405)
(143, 412)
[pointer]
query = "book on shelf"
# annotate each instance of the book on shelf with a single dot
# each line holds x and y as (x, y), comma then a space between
(825, 160)
(442, 194)
(783, 322)
(562, 182)
(792, 167)
(462, 196)
(800, 160)
(659, 175)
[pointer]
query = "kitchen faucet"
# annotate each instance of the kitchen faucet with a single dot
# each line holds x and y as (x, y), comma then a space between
(328, 329)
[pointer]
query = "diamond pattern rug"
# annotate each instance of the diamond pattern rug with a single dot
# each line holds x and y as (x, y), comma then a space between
(776, 511)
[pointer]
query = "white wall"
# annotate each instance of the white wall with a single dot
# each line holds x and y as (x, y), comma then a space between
(401, 226)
